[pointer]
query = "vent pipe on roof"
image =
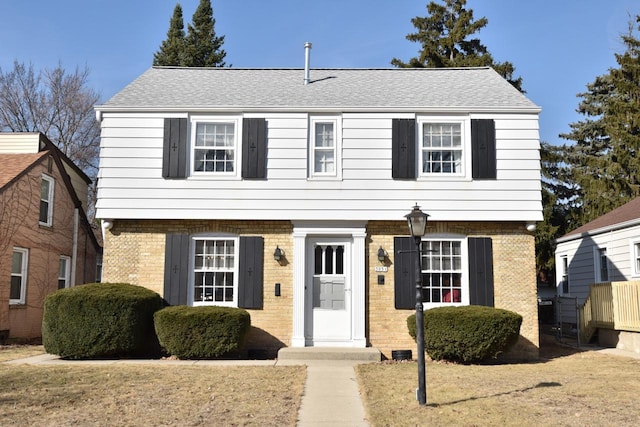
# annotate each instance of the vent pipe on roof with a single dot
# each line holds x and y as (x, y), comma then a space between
(307, 51)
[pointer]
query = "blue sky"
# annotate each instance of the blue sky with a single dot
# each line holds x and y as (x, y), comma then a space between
(557, 46)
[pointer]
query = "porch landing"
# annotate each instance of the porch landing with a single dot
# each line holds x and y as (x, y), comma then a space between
(368, 354)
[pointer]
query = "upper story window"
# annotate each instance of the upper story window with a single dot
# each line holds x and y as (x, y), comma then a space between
(19, 264)
(441, 150)
(215, 146)
(325, 147)
(215, 271)
(47, 186)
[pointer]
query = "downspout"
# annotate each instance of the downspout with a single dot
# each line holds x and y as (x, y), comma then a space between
(74, 252)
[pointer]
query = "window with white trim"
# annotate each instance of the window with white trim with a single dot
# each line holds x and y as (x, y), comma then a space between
(601, 265)
(564, 275)
(442, 148)
(325, 147)
(635, 260)
(215, 146)
(443, 271)
(64, 265)
(47, 186)
(215, 271)
(19, 265)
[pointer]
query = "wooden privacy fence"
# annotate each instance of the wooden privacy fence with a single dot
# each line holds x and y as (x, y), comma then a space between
(612, 305)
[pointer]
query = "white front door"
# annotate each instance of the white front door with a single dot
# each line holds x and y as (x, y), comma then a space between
(328, 292)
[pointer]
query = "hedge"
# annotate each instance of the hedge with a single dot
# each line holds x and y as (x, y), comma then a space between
(101, 320)
(467, 334)
(202, 332)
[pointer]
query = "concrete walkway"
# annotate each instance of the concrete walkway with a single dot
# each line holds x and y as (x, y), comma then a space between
(331, 394)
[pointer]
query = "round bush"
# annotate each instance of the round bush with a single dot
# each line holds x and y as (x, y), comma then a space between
(467, 334)
(202, 332)
(101, 320)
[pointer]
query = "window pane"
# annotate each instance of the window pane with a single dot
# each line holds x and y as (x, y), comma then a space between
(16, 287)
(340, 260)
(16, 263)
(44, 189)
(324, 135)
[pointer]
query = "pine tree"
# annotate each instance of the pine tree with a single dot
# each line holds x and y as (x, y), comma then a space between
(603, 162)
(445, 39)
(203, 47)
(172, 49)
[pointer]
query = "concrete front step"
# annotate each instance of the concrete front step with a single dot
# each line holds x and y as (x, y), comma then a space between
(368, 354)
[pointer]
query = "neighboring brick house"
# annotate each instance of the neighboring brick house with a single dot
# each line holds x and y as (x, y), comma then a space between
(46, 242)
(208, 175)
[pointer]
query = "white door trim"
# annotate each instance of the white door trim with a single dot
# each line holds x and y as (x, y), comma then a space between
(357, 231)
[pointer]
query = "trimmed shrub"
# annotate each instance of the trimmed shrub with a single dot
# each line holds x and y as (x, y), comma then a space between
(202, 332)
(101, 320)
(467, 334)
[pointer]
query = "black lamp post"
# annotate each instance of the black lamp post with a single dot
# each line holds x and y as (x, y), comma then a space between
(417, 221)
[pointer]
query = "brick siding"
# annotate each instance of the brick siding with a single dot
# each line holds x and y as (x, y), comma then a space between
(134, 253)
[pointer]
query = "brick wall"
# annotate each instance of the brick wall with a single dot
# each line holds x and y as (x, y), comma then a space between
(514, 282)
(45, 244)
(134, 253)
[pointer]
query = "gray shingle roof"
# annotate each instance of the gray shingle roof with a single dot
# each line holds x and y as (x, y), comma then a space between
(392, 89)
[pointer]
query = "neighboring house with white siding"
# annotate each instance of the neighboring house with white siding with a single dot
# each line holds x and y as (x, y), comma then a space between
(208, 175)
(606, 249)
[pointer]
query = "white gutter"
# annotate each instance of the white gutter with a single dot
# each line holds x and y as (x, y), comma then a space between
(307, 108)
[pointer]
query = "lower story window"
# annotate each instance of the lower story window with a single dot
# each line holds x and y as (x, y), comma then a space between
(19, 263)
(215, 271)
(63, 272)
(441, 263)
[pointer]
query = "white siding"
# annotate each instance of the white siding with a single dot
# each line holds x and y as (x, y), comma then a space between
(131, 183)
(580, 253)
(19, 143)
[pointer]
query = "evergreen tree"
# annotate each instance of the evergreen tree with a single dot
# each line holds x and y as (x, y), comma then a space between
(203, 47)
(603, 162)
(445, 36)
(172, 49)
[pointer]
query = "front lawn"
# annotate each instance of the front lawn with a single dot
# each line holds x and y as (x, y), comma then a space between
(567, 388)
(149, 395)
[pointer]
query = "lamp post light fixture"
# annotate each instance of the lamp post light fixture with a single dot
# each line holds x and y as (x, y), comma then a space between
(417, 221)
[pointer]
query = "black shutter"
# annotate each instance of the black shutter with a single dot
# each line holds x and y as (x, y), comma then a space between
(254, 148)
(250, 270)
(480, 271)
(176, 269)
(483, 149)
(174, 157)
(404, 278)
(403, 149)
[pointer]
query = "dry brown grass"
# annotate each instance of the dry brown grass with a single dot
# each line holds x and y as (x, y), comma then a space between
(18, 351)
(566, 388)
(149, 395)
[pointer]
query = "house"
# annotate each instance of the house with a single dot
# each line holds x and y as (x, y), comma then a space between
(46, 242)
(606, 249)
(284, 191)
